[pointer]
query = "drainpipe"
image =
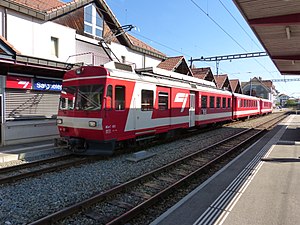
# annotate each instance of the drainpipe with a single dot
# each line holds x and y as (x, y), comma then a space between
(5, 24)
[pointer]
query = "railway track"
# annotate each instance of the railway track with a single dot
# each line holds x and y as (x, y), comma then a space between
(130, 199)
(32, 169)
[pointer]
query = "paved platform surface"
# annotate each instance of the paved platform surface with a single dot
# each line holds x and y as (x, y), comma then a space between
(260, 187)
(23, 151)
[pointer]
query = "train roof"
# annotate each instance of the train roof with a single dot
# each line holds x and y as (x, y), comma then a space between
(161, 77)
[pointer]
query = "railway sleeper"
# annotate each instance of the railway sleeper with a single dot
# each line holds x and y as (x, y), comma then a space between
(142, 195)
(121, 204)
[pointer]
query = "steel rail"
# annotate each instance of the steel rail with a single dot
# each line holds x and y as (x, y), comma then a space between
(68, 211)
(46, 169)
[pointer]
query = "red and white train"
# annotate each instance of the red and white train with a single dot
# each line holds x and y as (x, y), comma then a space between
(101, 107)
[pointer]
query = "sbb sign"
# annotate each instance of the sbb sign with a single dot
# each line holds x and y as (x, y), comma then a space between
(18, 82)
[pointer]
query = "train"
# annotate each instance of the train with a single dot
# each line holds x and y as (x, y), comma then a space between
(104, 107)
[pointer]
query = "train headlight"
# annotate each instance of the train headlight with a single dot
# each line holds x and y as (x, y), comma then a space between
(59, 121)
(79, 71)
(92, 123)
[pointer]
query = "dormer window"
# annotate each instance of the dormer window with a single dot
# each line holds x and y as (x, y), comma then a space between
(93, 22)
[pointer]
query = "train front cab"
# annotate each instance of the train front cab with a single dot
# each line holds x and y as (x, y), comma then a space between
(92, 111)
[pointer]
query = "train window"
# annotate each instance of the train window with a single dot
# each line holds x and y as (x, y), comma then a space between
(147, 100)
(120, 97)
(163, 100)
(109, 94)
(245, 103)
(223, 103)
(67, 98)
(89, 97)
(228, 102)
(218, 102)
(240, 103)
(212, 102)
(203, 102)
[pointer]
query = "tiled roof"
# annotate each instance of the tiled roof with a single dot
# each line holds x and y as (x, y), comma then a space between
(9, 45)
(138, 43)
(201, 72)
(40, 5)
(234, 83)
(268, 83)
(220, 80)
(171, 63)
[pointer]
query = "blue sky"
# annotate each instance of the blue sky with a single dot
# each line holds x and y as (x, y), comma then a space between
(195, 28)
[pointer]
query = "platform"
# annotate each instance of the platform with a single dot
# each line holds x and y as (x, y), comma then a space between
(261, 186)
(23, 151)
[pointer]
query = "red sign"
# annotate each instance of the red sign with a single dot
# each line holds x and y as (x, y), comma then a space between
(18, 82)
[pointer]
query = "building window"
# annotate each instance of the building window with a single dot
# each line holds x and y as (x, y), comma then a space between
(147, 100)
(93, 22)
(54, 46)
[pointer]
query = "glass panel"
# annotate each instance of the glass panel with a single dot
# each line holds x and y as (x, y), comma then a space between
(98, 32)
(109, 97)
(67, 98)
(204, 102)
(120, 97)
(99, 21)
(89, 97)
(88, 14)
(88, 29)
(212, 102)
(163, 100)
(218, 102)
(223, 102)
(147, 100)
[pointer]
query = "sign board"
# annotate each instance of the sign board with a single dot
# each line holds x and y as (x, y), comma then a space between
(47, 85)
(18, 82)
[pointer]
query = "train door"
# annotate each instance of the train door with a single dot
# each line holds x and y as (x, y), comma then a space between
(163, 105)
(192, 109)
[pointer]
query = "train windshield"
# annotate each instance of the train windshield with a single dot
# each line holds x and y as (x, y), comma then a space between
(88, 97)
(67, 98)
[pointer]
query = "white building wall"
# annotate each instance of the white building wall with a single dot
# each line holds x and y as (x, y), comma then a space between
(140, 60)
(32, 37)
(2, 21)
(89, 52)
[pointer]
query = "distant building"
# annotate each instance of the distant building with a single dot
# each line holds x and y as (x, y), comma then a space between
(260, 88)
(282, 99)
